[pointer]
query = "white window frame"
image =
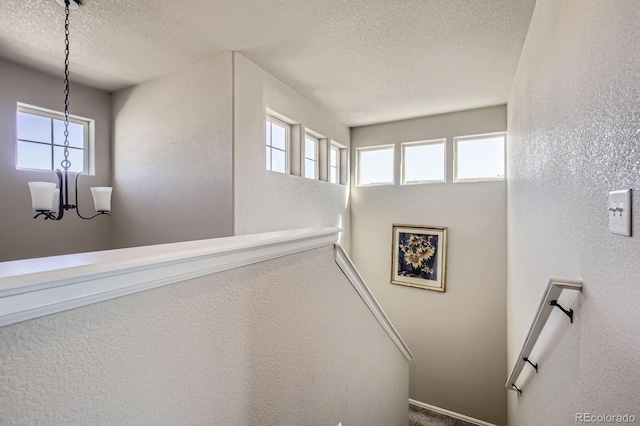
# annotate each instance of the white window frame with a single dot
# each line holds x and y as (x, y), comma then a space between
(442, 141)
(287, 148)
(479, 136)
(359, 166)
(316, 161)
(342, 167)
(338, 150)
(88, 125)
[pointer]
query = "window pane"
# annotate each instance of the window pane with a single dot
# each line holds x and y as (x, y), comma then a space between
(278, 163)
(481, 158)
(34, 156)
(309, 168)
(268, 158)
(310, 148)
(76, 156)
(376, 166)
(268, 139)
(34, 128)
(278, 136)
(334, 157)
(333, 178)
(423, 162)
(76, 134)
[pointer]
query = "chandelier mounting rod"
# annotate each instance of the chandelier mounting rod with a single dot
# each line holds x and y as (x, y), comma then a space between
(73, 4)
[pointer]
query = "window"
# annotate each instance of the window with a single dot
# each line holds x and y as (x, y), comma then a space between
(277, 140)
(334, 170)
(40, 140)
(310, 156)
(423, 162)
(338, 168)
(479, 157)
(375, 165)
(277, 145)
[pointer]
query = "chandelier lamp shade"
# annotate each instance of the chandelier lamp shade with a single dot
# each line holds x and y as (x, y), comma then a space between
(50, 200)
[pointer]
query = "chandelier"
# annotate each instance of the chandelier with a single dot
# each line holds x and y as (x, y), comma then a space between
(51, 200)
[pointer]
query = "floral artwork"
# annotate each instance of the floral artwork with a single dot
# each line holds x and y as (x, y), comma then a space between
(418, 258)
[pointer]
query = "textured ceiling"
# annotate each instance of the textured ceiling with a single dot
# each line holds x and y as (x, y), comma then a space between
(366, 60)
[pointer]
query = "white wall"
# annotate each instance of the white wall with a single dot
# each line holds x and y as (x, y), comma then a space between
(458, 338)
(259, 345)
(574, 135)
(173, 157)
(269, 201)
(21, 236)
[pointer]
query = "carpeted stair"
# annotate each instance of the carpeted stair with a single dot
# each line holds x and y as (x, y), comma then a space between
(419, 416)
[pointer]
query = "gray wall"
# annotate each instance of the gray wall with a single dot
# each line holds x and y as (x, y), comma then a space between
(173, 157)
(20, 235)
(173, 161)
(269, 201)
(458, 338)
(259, 345)
(574, 136)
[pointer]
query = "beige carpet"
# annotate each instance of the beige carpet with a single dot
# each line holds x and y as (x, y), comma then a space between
(419, 416)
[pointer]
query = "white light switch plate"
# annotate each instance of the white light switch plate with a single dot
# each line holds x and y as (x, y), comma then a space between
(620, 212)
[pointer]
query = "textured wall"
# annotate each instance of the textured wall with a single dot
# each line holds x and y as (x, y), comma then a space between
(458, 338)
(173, 157)
(259, 345)
(269, 201)
(574, 135)
(21, 236)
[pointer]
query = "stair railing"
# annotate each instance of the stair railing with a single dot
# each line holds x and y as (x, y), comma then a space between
(555, 287)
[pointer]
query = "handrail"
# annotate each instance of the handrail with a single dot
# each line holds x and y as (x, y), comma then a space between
(349, 269)
(554, 288)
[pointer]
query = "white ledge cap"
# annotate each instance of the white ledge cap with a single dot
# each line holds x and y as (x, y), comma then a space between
(24, 275)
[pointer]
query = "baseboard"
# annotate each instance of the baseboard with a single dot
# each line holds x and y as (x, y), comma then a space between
(450, 413)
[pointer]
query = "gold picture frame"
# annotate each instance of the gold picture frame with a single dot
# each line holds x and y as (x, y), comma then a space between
(419, 256)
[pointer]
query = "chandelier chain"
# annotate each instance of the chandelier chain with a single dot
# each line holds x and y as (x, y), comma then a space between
(41, 191)
(66, 163)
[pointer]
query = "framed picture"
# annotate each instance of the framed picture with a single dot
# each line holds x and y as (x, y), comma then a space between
(419, 256)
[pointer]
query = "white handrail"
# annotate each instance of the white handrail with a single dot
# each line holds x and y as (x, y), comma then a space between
(344, 262)
(554, 288)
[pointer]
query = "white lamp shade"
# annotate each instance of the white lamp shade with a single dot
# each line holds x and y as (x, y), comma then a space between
(56, 201)
(102, 198)
(42, 195)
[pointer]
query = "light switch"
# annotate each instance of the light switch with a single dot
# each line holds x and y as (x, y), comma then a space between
(620, 212)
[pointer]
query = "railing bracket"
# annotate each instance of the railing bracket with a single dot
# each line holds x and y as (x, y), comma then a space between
(513, 385)
(569, 313)
(532, 364)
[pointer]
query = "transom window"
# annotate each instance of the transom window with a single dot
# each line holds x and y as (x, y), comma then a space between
(375, 165)
(423, 162)
(40, 140)
(277, 144)
(479, 157)
(310, 156)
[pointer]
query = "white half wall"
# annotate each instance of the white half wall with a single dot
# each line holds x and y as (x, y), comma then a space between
(269, 201)
(574, 135)
(287, 341)
(458, 338)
